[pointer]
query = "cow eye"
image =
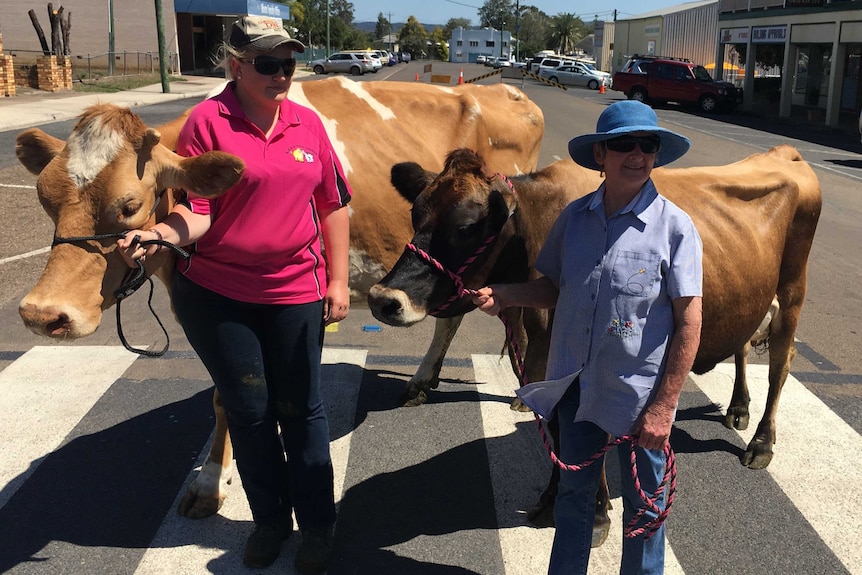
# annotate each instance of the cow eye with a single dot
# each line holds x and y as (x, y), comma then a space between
(129, 209)
(467, 231)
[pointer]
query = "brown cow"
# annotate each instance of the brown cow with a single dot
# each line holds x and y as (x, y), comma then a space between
(107, 177)
(756, 217)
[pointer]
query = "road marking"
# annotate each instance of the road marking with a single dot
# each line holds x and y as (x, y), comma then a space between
(215, 544)
(46, 392)
(25, 256)
(526, 550)
(819, 469)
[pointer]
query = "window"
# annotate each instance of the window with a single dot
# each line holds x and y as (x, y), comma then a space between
(489, 43)
(474, 43)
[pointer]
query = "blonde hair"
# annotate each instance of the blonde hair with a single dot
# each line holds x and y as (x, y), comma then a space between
(223, 56)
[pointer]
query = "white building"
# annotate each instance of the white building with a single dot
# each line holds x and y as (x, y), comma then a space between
(465, 45)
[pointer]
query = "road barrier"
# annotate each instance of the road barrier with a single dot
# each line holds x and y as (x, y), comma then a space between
(513, 73)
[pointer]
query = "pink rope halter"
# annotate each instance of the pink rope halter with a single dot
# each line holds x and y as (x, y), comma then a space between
(668, 482)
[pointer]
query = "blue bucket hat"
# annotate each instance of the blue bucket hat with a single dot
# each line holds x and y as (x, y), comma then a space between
(622, 118)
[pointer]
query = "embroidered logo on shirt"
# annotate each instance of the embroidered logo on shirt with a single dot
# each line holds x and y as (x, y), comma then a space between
(621, 329)
(302, 156)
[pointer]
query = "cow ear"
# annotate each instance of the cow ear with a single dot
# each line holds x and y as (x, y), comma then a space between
(409, 178)
(208, 175)
(35, 149)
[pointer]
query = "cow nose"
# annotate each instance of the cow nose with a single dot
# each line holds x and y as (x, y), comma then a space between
(394, 306)
(46, 321)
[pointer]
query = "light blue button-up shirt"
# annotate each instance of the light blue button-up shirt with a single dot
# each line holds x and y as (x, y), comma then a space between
(614, 319)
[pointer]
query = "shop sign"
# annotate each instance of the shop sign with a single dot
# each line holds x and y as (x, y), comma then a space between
(769, 34)
(734, 35)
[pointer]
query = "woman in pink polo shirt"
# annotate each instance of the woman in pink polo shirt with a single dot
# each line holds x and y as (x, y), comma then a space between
(256, 293)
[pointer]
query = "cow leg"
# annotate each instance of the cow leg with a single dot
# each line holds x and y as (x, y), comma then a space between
(737, 416)
(427, 377)
(208, 491)
(542, 514)
(758, 454)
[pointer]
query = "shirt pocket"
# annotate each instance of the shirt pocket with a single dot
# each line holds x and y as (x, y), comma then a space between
(635, 274)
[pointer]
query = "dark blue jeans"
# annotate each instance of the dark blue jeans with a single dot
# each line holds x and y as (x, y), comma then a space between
(265, 363)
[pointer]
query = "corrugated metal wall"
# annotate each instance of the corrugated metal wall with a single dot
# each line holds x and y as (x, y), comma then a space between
(691, 34)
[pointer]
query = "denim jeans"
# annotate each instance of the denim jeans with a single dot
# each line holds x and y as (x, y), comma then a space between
(575, 506)
(265, 362)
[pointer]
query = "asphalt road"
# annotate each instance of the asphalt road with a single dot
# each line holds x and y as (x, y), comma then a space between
(438, 489)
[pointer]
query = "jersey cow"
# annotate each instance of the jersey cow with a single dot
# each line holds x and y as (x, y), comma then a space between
(756, 217)
(111, 173)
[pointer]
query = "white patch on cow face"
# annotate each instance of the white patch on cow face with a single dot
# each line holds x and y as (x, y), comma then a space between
(90, 150)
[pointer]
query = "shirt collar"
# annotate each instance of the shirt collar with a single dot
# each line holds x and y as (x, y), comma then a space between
(229, 105)
(641, 206)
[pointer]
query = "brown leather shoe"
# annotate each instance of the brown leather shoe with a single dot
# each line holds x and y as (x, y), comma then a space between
(315, 550)
(264, 544)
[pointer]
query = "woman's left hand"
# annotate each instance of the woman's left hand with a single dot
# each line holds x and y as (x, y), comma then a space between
(336, 304)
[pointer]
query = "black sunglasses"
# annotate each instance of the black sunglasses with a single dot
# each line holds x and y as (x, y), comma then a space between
(269, 66)
(648, 144)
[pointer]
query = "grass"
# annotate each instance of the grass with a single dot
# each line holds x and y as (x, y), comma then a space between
(120, 83)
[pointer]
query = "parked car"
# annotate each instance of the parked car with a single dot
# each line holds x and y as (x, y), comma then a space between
(676, 80)
(481, 59)
(501, 62)
(575, 75)
(355, 63)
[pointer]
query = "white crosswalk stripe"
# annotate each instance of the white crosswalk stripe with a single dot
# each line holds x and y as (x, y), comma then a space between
(48, 390)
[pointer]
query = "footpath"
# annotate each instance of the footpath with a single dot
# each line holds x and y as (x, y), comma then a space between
(31, 108)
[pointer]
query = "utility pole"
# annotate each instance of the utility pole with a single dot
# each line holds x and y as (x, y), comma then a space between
(327, 28)
(163, 63)
(110, 37)
(517, 31)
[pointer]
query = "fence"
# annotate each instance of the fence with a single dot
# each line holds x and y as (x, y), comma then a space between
(92, 66)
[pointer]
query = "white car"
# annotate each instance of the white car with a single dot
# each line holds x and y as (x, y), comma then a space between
(481, 59)
(575, 75)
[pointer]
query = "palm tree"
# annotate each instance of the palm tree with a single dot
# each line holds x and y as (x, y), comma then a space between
(566, 31)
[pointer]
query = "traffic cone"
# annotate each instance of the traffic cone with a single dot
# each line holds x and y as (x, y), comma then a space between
(602, 88)
(461, 76)
(417, 76)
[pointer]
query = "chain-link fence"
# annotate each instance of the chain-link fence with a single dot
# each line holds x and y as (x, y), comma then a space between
(93, 66)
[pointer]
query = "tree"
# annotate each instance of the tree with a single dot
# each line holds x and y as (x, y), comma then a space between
(413, 38)
(453, 24)
(532, 33)
(383, 28)
(439, 41)
(494, 13)
(566, 31)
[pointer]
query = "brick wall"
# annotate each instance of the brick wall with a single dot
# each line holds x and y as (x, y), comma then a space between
(7, 73)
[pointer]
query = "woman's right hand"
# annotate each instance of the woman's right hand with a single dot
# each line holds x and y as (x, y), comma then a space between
(488, 300)
(131, 250)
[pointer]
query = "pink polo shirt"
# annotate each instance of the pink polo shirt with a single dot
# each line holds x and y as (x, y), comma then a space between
(265, 243)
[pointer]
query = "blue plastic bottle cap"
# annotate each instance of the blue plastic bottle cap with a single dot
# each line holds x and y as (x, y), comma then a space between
(370, 328)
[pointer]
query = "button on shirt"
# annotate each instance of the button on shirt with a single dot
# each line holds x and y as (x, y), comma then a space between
(617, 278)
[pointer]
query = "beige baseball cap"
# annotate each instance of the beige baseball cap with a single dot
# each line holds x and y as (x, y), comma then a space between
(261, 34)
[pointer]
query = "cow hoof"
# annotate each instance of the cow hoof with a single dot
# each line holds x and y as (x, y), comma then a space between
(736, 418)
(601, 528)
(541, 516)
(518, 405)
(414, 399)
(758, 455)
(194, 506)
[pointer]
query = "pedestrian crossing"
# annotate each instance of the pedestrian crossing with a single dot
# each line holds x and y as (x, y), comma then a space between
(474, 457)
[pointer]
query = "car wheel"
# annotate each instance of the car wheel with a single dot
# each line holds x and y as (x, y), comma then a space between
(553, 79)
(356, 71)
(708, 103)
(638, 94)
(593, 85)
(319, 69)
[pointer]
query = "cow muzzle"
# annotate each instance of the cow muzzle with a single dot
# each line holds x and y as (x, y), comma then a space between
(394, 307)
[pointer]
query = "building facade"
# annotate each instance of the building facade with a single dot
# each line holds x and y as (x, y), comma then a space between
(819, 47)
(467, 44)
(193, 29)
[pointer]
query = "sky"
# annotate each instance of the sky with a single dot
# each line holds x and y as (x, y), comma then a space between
(440, 11)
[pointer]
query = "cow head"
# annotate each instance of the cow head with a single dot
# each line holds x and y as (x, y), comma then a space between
(107, 178)
(462, 219)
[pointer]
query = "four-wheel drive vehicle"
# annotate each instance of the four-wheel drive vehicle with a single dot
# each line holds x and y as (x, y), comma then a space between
(356, 63)
(671, 80)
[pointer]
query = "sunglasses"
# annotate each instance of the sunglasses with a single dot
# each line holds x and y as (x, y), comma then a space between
(648, 144)
(269, 66)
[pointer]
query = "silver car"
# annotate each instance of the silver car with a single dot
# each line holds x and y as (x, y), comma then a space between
(575, 75)
(350, 62)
